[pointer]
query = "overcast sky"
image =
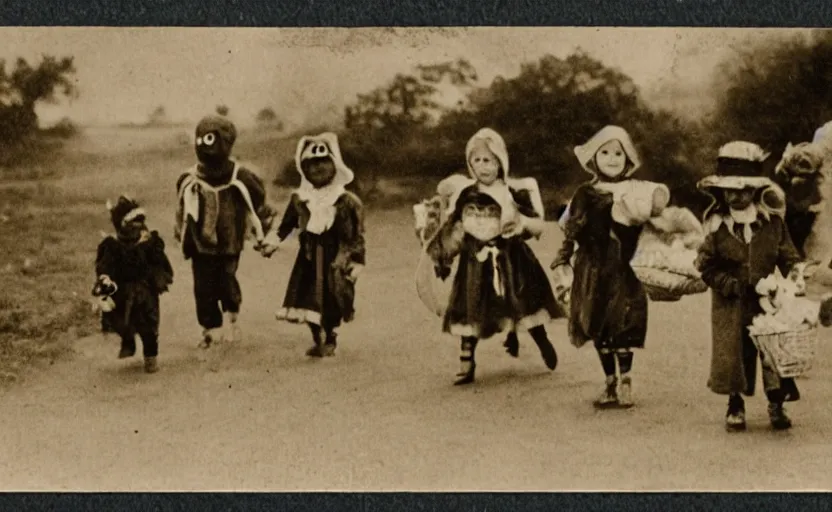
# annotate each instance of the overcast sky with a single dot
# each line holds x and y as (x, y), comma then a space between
(124, 73)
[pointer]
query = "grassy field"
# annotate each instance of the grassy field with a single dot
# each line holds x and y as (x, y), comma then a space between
(52, 214)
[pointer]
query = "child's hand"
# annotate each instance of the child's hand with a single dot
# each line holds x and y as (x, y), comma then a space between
(104, 304)
(353, 271)
(269, 245)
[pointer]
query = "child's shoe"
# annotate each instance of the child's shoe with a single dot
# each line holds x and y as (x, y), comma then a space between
(126, 352)
(315, 351)
(209, 337)
(609, 397)
(466, 371)
(234, 332)
(512, 344)
(550, 356)
(328, 348)
(625, 392)
(150, 365)
(735, 417)
(777, 416)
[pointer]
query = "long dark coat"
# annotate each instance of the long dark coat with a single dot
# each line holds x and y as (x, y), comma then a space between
(608, 302)
(732, 268)
(318, 285)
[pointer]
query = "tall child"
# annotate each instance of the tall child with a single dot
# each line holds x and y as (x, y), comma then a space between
(608, 304)
(499, 283)
(746, 240)
(219, 202)
(330, 219)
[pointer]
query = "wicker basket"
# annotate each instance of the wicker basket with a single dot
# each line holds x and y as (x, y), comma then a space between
(790, 354)
(668, 286)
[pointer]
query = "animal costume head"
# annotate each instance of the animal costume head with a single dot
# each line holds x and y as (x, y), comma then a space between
(799, 173)
(588, 153)
(215, 137)
(318, 161)
(739, 173)
(128, 218)
(323, 178)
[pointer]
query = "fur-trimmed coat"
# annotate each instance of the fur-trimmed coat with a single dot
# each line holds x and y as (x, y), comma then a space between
(141, 272)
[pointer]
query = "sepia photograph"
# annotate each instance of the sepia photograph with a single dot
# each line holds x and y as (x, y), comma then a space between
(420, 259)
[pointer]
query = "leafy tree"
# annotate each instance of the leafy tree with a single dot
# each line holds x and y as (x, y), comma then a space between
(23, 86)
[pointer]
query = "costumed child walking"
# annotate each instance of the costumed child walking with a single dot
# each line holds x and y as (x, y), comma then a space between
(746, 241)
(330, 221)
(132, 272)
(499, 283)
(220, 201)
(608, 304)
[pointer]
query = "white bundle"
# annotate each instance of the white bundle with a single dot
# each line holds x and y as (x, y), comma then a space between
(668, 245)
(783, 309)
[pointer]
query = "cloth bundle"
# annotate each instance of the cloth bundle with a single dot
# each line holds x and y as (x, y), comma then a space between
(783, 309)
(665, 257)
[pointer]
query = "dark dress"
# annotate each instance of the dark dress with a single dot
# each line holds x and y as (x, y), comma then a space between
(608, 302)
(475, 307)
(142, 272)
(319, 291)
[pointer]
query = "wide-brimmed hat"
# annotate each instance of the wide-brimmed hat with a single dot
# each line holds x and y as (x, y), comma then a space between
(740, 166)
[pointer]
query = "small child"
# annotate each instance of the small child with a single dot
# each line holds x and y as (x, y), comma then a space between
(608, 304)
(499, 283)
(321, 290)
(746, 240)
(220, 200)
(132, 271)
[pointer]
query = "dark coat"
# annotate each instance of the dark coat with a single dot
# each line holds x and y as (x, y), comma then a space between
(232, 213)
(475, 308)
(608, 302)
(732, 269)
(319, 281)
(141, 272)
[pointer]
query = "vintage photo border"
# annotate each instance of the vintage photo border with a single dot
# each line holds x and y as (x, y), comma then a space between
(297, 13)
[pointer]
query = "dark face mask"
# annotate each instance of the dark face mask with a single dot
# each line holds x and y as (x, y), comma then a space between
(132, 231)
(319, 171)
(210, 150)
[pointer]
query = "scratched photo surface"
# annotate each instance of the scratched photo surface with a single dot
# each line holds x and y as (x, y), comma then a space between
(415, 259)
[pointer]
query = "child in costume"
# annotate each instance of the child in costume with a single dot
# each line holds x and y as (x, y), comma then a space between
(499, 283)
(133, 271)
(746, 240)
(330, 219)
(608, 304)
(219, 202)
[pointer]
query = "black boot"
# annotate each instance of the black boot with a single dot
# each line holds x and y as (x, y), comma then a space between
(547, 350)
(467, 363)
(315, 350)
(735, 417)
(128, 348)
(512, 344)
(777, 416)
(328, 349)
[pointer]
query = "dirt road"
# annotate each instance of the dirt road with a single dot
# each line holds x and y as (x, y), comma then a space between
(383, 415)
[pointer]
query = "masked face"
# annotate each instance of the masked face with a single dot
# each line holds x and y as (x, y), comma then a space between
(133, 229)
(611, 159)
(319, 171)
(739, 199)
(485, 165)
(210, 149)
